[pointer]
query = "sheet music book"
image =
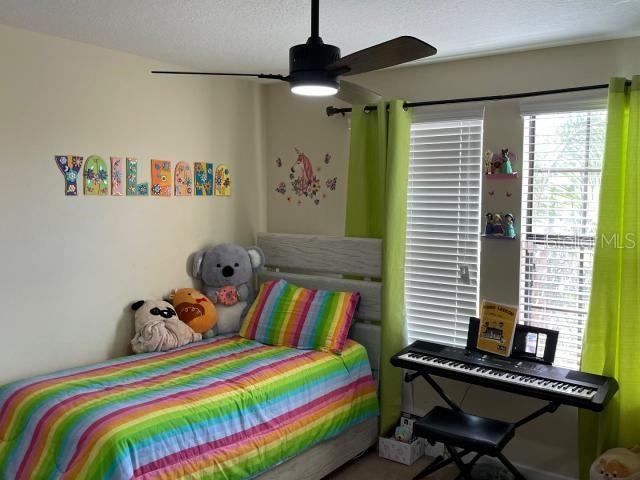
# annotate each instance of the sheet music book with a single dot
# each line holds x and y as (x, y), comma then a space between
(497, 328)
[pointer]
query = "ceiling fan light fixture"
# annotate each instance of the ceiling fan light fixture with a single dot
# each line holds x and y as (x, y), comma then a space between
(308, 74)
(316, 68)
(314, 90)
(313, 83)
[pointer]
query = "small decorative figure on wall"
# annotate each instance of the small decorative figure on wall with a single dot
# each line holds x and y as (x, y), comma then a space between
(222, 185)
(499, 163)
(183, 178)
(499, 225)
(281, 188)
(327, 158)
(496, 163)
(488, 156)
(203, 178)
(133, 187)
(488, 228)
(509, 227)
(279, 162)
(161, 178)
(497, 228)
(70, 166)
(96, 176)
(506, 161)
(331, 183)
(116, 176)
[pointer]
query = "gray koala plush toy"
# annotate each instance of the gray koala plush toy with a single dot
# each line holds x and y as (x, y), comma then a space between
(227, 265)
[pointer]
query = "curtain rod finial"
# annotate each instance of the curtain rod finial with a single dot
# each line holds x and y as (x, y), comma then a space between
(331, 110)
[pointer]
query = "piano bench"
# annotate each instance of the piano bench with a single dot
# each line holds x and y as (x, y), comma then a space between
(459, 429)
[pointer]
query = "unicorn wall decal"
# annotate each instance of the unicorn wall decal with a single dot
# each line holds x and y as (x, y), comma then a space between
(303, 179)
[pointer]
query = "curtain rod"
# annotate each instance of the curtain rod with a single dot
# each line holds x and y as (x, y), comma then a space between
(333, 110)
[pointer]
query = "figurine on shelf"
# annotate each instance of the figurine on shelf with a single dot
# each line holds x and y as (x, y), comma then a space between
(497, 228)
(496, 163)
(509, 227)
(488, 161)
(506, 161)
(488, 228)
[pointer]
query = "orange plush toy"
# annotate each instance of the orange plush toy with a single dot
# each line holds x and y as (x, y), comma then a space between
(196, 310)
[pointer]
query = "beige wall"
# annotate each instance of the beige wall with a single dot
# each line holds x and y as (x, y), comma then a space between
(69, 267)
(304, 125)
(550, 443)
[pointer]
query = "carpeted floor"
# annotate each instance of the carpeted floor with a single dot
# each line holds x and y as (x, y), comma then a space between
(371, 467)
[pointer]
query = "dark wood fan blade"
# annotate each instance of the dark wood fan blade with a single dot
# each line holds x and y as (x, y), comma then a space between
(394, 52)
(356, 94)
(258, 75)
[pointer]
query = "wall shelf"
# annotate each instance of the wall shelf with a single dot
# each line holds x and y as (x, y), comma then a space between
(500, 176)
(498, 237)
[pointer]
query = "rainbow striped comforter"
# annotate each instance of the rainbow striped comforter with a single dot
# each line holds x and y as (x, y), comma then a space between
(225, 408)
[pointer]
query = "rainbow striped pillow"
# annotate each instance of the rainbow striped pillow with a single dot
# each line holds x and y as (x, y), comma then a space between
(284, 314)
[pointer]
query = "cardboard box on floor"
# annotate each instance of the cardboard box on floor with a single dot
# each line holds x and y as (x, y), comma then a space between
(406, 453)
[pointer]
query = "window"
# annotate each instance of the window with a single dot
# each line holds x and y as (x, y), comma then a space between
(443, 225)
(562, 163)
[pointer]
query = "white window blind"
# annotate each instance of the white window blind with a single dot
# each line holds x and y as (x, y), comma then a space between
(562, 164)
(443, 225)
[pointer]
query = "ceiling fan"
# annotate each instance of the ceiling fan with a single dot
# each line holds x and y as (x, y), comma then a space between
(315, 68)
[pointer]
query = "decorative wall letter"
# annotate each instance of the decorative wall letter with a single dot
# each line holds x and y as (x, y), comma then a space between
(70, 166)
(133, 187)
(222, 181)
(160, 178)
(96, 176)
(183, 179)
(204, 178)
(116, 176)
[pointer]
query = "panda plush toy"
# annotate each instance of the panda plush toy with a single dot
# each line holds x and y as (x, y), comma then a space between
(158, 327)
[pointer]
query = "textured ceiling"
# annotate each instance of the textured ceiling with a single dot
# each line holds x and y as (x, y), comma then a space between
(254, 35)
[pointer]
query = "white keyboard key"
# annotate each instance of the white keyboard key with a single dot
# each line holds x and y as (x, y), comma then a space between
(507, 377)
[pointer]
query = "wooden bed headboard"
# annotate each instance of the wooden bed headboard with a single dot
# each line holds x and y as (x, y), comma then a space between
(321, 262)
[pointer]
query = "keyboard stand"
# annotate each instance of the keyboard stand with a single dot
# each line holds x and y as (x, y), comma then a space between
(462, 433)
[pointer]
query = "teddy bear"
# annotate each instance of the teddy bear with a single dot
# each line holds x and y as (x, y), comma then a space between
(617, 463)
(226, 271)
(158, 327)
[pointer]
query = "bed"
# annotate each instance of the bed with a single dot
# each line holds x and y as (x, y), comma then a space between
(223, 408)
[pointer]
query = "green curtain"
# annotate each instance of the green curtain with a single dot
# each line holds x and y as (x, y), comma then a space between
(612, 338)
(377, 207)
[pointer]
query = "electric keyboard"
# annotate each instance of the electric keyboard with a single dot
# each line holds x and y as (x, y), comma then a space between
(546, 382)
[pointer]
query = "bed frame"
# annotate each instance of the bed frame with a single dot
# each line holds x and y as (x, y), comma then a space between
(322, 262)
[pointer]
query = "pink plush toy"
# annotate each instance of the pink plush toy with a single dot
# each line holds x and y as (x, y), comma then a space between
(228, 295)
